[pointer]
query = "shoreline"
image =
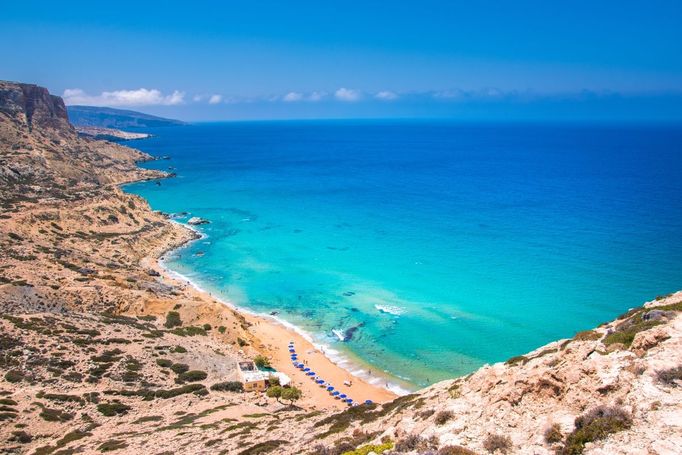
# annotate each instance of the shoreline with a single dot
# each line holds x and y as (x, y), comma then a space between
(274, 335)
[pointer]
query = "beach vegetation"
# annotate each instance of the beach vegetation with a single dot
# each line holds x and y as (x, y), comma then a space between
(21, 437)
(415, 442)
(164, 363)
(625, 332)
(587, 335)
(14, 376)
(454, 391)
(146, 419)
(228, 386)
(671, 377)
(242, 342)
(179, 350)
(222, 329)
(261, 361)
(113, 408)
(497, 442)
(179, 368)
(193, 376)
(60, 397)
(371, 448)
(596, 424)
(443, 417)
(291, 394)
(172, 320)
(519, 359)
(55, 415)
(196, 389)
(111, 445)
(189, 331)
(263, 447)
(207, 327)
(274, 392)
(108, 356)
(553, 434)
(455, 450)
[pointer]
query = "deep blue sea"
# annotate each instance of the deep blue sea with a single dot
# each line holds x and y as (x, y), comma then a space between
(442, 246)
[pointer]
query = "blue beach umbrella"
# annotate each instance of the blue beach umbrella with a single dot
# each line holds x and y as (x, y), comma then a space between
(343, 395)
(336, 394)
(330, 388)
(306, 369)
(368, 401)
(320, 381)
(311, 373)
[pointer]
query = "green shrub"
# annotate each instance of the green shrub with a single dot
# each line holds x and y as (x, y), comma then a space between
(197, 389)
(172, 320)
(113, 408)
(222, 329)
(494, 442)
(262, 361)
(242, 342)
(207, 327)
(193, 376)
(164, 363)
(274, 392)
(291, 394)
(179, 368)
(375, 448)
(229, 386)
(594, 425)
(587, 335)
(517, 359)
(179, 350)
(625, 331)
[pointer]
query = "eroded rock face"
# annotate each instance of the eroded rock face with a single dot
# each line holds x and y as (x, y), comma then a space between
(35, 106)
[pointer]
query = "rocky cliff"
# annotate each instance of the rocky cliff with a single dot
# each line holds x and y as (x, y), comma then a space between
(32, 105)
(99, 353)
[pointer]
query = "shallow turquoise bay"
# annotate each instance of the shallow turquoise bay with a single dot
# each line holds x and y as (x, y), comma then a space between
(446, 246)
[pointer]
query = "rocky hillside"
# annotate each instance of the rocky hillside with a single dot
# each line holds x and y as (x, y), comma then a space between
(101, 353)
(116, 118)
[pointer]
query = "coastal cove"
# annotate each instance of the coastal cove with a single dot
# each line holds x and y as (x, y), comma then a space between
(433, 248)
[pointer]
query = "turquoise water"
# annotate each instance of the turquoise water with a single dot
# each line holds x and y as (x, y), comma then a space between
(443, 246)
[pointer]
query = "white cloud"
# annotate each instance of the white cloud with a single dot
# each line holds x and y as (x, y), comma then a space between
(198, 98)
(347, 94)
(386, 95)
(317, 96)
(139, 97)
(215, 99)
(292, 97)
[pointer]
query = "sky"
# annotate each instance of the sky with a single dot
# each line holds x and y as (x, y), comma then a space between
(469, 60)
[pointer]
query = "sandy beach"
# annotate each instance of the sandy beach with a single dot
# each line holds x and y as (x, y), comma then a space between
(271, 339)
